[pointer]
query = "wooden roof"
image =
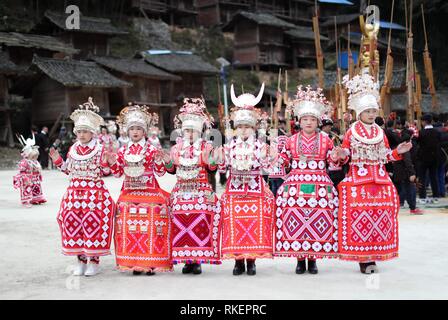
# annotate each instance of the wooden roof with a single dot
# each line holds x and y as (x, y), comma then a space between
(180, 63)
(398, 78)
(340, 19)
(260, 19)
(136, 67)
(303, 33)
(76, 73)
(400, 102)
(14, 39)
(7, 66)
(86, 24)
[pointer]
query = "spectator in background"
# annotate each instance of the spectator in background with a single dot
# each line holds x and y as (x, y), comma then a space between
(428, 158)
(43, 141)
(63, 142)
(441, 169)
(404, 178)
(380, 121)
(123, 139)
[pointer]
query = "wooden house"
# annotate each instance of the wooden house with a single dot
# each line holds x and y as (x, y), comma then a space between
(7, 69)
(302, 52)
(219, 12)
(173, 12)
(190, 67)
(151, 86)
(63, 84)
(259, 40)
(295, 11)
(21, 47)
(92, 37)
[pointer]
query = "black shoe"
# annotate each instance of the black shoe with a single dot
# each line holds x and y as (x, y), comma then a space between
(312, 266)
(150, 273)
(188, 268)
(239, 268)
(197, 268)
(301, 267)
(136, 273)
(368, 268)
(251, 268)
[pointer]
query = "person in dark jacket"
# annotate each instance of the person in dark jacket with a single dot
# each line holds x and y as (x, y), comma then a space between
(428, 158)
(404, 178)
(441, 169)
(43, 142)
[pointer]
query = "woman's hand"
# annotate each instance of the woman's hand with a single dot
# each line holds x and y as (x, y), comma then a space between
(337, 154)
(109, 157)
(218, 155)
(54, 154)
(165, 156)
(404, 147)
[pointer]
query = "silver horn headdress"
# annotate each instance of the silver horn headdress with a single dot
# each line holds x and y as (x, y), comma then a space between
(245, 111)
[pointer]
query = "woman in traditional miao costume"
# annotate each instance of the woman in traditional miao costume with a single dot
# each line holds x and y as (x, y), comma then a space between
(194, 206)
(307, 203)
(247, 203)
(369, 203)
(29, 178)
(142, 222)
(86, 213)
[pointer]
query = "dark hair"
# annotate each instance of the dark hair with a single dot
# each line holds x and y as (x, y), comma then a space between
(390, 123)
(379, 121)
(427, 118)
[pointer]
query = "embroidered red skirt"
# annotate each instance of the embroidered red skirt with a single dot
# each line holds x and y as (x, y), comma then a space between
(368, 221)
(247, 226)
(36, 187)
(85, 218)
(143, 231)
(196, 225)
(307, 212)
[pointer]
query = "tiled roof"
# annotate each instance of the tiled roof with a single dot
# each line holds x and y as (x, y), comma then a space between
(75, 73)
(134, 67)
(13, 39)
(86, 24)
(178, 62)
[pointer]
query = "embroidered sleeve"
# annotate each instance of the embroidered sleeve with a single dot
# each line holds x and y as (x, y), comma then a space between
(334, 165)
(63, 165)
(157, 164)
(222, 167)
(117, 167)
(104, 165)
(284, 151)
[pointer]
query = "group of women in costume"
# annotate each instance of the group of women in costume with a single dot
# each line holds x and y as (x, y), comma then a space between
(307, 218)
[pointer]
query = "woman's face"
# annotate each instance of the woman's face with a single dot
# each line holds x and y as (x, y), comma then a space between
(84, 136)
(308, 124)
(136, 133)
(103, 131)
(244, 131)
(190, 134)
(368, 116)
